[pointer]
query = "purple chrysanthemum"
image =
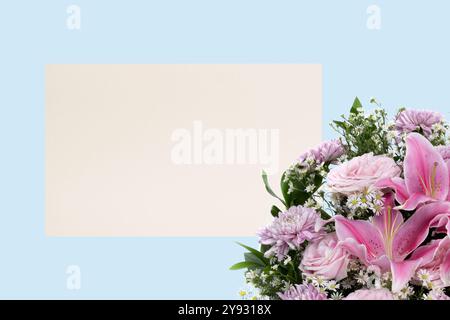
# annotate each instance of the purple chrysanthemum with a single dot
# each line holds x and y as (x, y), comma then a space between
(327, 151)
(444, 151)
(302, 292)
(289, 230)
(411, 120)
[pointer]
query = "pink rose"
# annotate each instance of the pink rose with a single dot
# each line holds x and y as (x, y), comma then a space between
(370, 294)
(361, 173)
(324, 258)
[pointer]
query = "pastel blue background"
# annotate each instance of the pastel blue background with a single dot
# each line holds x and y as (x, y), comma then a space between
(404, 64)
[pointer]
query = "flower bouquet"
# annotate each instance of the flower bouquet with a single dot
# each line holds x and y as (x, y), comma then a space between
(365, 216)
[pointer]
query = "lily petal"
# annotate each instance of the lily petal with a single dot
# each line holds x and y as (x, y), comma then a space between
(363, 233)
(388, 224)
(445, 269)
(414, 200)
(398, 185)
(415, 230)
(424, 169)
(442, 223)
(428, 252)
(402, 272)
(360, 251)
(448, 169)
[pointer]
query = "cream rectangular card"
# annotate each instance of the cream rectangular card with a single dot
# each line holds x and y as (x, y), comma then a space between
(172, 150)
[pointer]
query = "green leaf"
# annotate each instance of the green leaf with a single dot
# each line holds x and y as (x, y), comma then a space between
(243, 265)
(264, 248)
(257, 253)
(250, 257)
(340, 124)
(296, 197)
(324, 215)
(268, 188)
(275, 211)
(356, 105)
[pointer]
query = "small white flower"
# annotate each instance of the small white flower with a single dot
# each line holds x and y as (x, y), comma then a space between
(276, 282)
(250, 275)
(291, 187)
(310, 160)
(287, 260)
(310, 203)
(362, 277)
(336, 296)
(374, 269)
(435, 294)
(331, 285)
(302, 171)
(427, 297)
(423, 275)
(353, 202)
(391, 135)
(385, 278)
(405, 293)
(318, 281)
(429, 284)
(310, 188)
(437, 127)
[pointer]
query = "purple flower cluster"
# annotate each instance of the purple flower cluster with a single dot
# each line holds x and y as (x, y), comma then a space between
(289, 230)
(327, 151)
(302, 292)
(409, 120)
(444, 152)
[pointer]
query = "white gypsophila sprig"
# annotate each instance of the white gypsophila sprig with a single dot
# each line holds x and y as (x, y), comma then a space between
(404, 293)
(359, 203)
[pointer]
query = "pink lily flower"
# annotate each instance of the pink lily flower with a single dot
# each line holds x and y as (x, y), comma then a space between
(437, 252)
(388, 240)
(426, 175)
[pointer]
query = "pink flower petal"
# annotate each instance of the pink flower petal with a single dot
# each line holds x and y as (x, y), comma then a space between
(415, 230)
(362, 232)
(402, 272)
(370, 294)
(398, 185)
(445, 269)
(442, 223)
(436, 253)
(424, 169)
(414, 201)
(448, 169)
(390, 220)
(427, 252)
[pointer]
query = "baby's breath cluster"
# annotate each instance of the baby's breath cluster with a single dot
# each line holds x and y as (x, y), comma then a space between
(363, 205)
(363, 133)
(267, 283)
